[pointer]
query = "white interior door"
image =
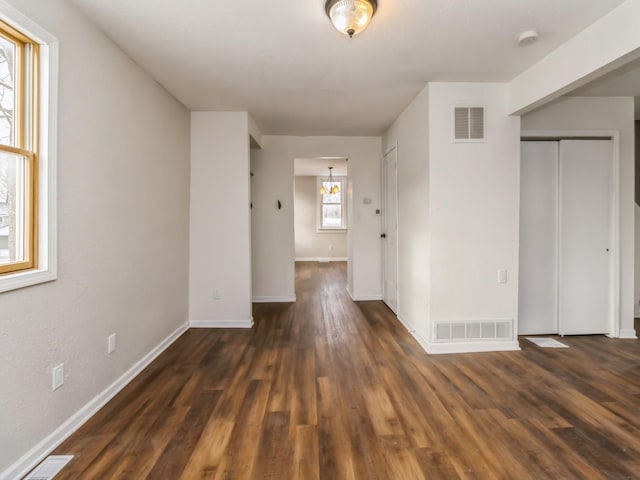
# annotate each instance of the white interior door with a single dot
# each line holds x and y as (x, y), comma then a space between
(538, 283)
(390, 234)
(585, 238)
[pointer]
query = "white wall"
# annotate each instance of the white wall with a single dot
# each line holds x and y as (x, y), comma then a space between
(610, 114)
(123, 182)
(309, 242)
(273, 229)
(607, 44)
(410, 131)
(474, 207)
(220, 248)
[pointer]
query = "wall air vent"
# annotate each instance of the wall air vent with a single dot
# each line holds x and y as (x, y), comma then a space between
(469, 124)
(448, 331)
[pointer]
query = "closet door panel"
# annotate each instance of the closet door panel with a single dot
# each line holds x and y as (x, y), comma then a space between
(538, 283)
(585, 225)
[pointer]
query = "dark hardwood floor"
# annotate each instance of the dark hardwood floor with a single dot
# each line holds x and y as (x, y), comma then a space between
(331, 389)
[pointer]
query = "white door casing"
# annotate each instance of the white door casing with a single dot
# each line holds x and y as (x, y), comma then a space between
(390, 231)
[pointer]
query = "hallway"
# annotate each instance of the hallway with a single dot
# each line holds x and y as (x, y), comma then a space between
(332, 389)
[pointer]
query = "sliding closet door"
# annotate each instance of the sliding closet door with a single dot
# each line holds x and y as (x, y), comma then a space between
(585, 225)
(537, 304)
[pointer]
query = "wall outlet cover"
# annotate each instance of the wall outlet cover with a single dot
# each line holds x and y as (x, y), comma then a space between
(58, 376)
(111, 343)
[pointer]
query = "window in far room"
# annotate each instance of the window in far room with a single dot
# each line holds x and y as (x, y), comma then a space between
(332, 206)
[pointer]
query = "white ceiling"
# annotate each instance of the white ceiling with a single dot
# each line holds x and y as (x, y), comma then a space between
(315, 167)
(623, 82)
(282, 61)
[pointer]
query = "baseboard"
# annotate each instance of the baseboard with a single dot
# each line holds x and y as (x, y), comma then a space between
(322, 259)
(471, 347)
(365, 297)
(405, 324)
(458, 347)
(420, 339)
(275, 299)
(34, 456)
(628, 334)
(349, 292)
(242, 323)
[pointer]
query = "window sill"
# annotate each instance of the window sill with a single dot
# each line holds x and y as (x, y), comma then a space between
(28, 278)
(331, 230)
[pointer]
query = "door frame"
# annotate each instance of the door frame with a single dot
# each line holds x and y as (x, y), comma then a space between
(383, 180)
(614, 262)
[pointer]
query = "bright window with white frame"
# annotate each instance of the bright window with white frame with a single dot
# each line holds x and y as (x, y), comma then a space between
(28, 100)
(332, 208)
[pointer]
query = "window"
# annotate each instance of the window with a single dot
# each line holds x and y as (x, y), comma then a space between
(18, 143)
(332, 208)
(28, 91)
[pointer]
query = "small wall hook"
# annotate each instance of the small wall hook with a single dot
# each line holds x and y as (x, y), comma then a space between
(279, 205)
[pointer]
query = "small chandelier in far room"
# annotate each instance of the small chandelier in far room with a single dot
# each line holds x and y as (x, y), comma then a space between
(333, 187)
(351, 16)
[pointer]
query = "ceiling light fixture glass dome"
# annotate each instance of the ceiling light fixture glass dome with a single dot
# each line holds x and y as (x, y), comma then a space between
(351, 16)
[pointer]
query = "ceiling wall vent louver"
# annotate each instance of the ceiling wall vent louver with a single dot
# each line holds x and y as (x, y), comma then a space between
(469, 124)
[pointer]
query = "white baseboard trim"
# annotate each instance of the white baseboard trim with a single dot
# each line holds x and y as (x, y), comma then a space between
(241, 323)
(628, 334)
(34, 456)
(420, 339)
(275, 299)
(471, 347)
(322, 259)
(405, 324)
(365, 297)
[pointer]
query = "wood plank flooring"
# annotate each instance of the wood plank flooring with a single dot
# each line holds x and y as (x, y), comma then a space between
(331, 389)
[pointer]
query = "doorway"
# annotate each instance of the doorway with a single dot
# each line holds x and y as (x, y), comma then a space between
(566, 240)
(320, 209)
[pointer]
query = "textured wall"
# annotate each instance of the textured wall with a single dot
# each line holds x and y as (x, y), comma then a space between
(123, 180)
(220, 239)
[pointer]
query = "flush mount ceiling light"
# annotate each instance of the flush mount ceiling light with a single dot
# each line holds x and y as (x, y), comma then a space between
(351, 16)
(333, 187)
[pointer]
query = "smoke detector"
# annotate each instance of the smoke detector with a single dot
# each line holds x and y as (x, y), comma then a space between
(527, 38)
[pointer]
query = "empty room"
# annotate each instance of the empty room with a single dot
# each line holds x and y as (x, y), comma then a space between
(320, 239)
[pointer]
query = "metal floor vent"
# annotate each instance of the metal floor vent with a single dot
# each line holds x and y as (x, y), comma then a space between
(50, 467)
(473, 330)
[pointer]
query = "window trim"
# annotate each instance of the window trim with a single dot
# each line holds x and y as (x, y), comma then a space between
(343, 197)
(45, 160)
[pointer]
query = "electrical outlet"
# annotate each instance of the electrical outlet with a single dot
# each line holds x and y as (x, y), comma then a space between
(217, 294)
(330, 247)
(58, 377)
(111, 343)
